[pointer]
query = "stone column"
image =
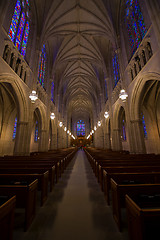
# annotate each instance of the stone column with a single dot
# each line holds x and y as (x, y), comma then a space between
(116, 140)
(22, 141)
(43, 142)
(53, 145)
(153, 9)
(8, 58)
(107, 142)
(138, 136)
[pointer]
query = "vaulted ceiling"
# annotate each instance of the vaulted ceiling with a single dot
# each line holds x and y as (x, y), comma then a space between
(79, 35)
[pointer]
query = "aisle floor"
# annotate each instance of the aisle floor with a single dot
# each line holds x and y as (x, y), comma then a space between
(76, 209)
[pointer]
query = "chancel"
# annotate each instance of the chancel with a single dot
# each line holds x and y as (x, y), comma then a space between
(79, 119)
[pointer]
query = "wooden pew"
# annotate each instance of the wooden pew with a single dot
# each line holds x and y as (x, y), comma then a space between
(42, 181)
(7, 208)
(30, 170)
(145, 177)
(26, 196)
(118, 196)
(143, 214)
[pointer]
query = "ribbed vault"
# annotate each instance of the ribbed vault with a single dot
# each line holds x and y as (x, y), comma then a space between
(79, 35)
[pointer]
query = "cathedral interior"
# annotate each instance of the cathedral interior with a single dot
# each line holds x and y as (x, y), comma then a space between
(79, 74)
(93, 67)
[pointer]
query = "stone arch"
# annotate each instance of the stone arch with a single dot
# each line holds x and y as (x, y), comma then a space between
(118, 142)
(14, 103)
(145, 101)
(39, 115)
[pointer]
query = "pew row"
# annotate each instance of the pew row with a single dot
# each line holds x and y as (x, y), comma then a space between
(7, 210)
(143, 214)
(118, 196)
(26, 196)
(42, 181)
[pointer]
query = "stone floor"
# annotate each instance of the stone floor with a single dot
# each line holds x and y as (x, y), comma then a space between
(76, 209)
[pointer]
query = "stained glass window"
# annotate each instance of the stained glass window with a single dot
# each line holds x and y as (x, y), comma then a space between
(80, 128)
(19, 28)
(123, 131)
(115, 69)
(106, 95)
(15, 128)
(144, 127)
(42, 66)
(52, 92)
(36, 132)
(135, 24)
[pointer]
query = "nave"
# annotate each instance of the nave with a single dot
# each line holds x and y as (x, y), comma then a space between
(76, 209)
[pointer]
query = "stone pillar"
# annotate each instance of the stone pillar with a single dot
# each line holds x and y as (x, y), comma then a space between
(107, 142)
(116, 140)
(53, 145)
(153, 9)
(60, 138)
(43, 142)
(22, 141)
(14, 62)
(8, 57)
(64, 140)
(138, 136)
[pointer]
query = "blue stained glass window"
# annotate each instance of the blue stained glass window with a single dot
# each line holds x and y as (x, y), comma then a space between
(36, 132)
(144, 127)
(115, 69)
(20, 31)
(80, 128)
(123, 131)
(19, 28)
(52, 92)
(42, 66)
(135, 24)
(14, 22)
(106, 95)
(15, 128)
(25, 40)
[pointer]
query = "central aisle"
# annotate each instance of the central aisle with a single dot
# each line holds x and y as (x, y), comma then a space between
(76, 209)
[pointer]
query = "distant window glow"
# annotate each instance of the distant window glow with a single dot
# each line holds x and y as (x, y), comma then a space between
(19, 27)
(144, 127)
(36, 132)
(15, 128)
(115, 69)
(80, 128)
(124, 131)
(135, 24)
(52, 92)
(42, 66)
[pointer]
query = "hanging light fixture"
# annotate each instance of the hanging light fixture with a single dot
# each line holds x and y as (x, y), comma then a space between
(99, 123)
(33, 96)
(60, 124)
(52, 116)
(123, 95)
(65, 129)
(106, 114)
(92, 131)
(95, 128)
(68, 132)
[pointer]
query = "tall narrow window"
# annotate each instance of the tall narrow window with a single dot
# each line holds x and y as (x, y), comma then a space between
(115, 69)
(52, 92)
(15, 129)
(106, 94)
(144, 127)
(80, 128)
(124, 138)
(135, 24)
(42, 66)
(36, 132)
(19, 28)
